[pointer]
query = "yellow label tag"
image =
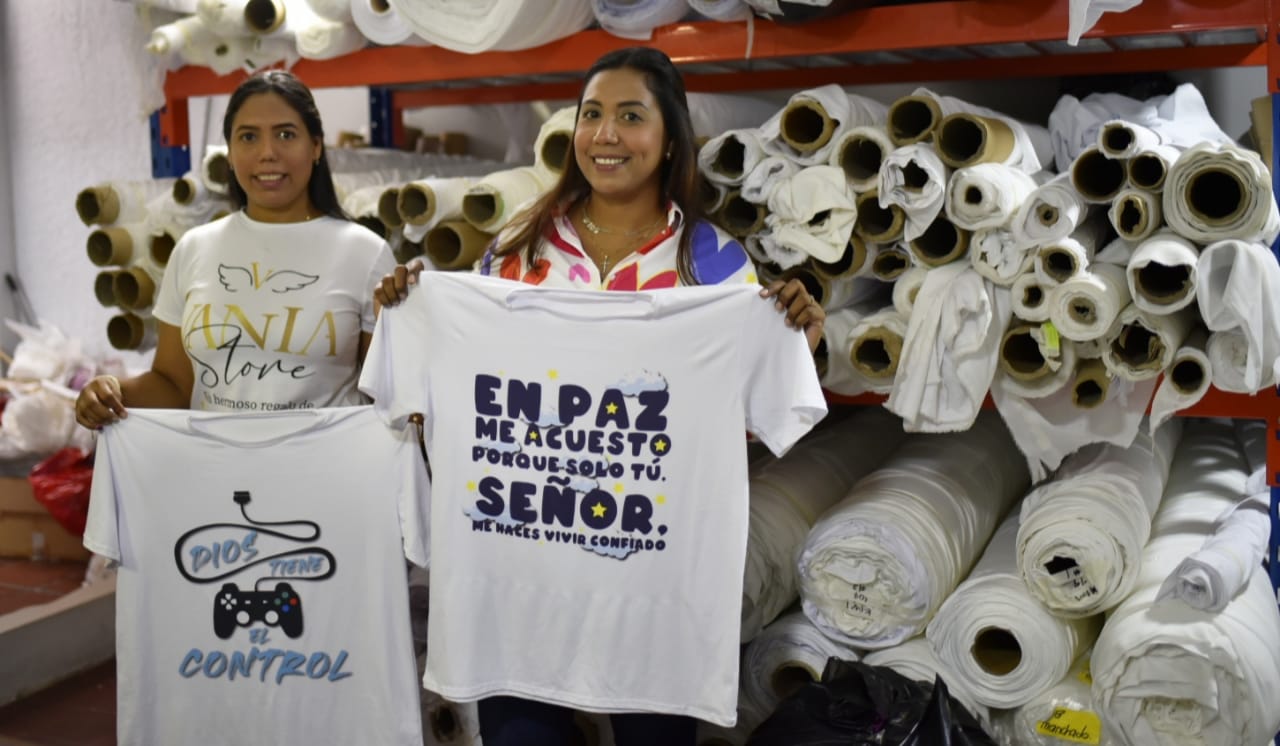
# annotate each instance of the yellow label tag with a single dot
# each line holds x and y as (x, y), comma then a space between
(1050, 336)
(1074, 726)
(1085, 675)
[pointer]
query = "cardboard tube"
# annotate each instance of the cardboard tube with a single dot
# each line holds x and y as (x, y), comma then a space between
(217, 171)
(965, 139)
(129, 331)
(98, 204)
(161, 248)
(860, 158)
(1058, 263)
(1147, 170)
(104, 287)
(186, 189)
(388, 207)
(730, 159)
(1020, 355)
(711, 195)
(1089, 388)
(1216, 196)
(1096, 177)
(375, 224)
(890, 263)
(1164, 285)
(740, 217)
(875, 223)
(406, 250)
(416, 203)
(264, 16)
(875, 354)
(941, 243)
(1140, 349)
(1187, 375)
(912, 119)
(850, 262)
(555, 151)
(1135, 214)
(111, 245)
(819, 287)
(455, 244)
(134, 288)
(806, 126)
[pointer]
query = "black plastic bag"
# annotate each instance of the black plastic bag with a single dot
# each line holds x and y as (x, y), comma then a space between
(856, 704)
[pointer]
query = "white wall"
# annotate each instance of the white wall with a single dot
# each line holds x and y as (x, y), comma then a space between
(8, 253)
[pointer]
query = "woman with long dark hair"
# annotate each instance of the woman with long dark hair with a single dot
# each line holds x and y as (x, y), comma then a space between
(268, 308)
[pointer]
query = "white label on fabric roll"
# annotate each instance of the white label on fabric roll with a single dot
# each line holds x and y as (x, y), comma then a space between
(1074, 584)
(1075, 726)
(860, 604)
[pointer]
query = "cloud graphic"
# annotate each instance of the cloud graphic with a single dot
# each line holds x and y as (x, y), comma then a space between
(499, 446)
(639, 382)
(549, 417)
(618, 553)
(582, 484)
(503, 520)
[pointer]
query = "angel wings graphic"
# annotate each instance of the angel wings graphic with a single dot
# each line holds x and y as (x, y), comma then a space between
(236, 279)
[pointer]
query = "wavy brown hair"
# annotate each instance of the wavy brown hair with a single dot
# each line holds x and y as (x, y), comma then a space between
(680, 179)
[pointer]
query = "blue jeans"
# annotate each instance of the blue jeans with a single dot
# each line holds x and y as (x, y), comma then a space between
(510, 721)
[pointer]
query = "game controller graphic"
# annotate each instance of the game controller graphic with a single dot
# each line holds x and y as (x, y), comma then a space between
(280, 607)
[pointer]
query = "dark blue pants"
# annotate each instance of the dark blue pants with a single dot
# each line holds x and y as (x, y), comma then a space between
(510, 721)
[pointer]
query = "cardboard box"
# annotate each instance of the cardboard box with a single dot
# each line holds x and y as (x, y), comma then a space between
(28, 531)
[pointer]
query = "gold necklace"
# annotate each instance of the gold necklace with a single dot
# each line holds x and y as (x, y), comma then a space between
(597, 229)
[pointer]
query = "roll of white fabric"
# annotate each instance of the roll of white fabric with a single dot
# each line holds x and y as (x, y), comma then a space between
(1064, 713)
(843, 110)
(636, 19)
(345, 183)
(876, 567)
(724, 11)
(859, 151)
(173, 6)
(1061, 259)
(1029, 297)
(378, 22)
(949, 355)
(224, 18)
(424, 203)
(1053, 211)
(728, 158)
(483, 25)
(553, 146)
(1033, 148)
(320, 39)
(907, 288)
(789, 494)
(166, 217)
(997, 256)
(1085, 306)
(1080, 544)
(1181, 119)
(215, 169)
(987, 195)
(1167, 673)
(788, 653)
(446, 723)
(120, 202)
(839, 376)
(492, 201)
(921, 202)
(180, 36)
(1185, 382)
(1239, 289)
(1004, 647)
(889, 261)
(769, 172)
(1059, 355)
(1254, 218)
(1141, 345)
(876, 349)
(1122, 139)
(1153, 262)
(1136, 214)
(358, 199)
(1216, 573)
(1074, 123)
(813, 211)
(916, 660)
(334, 10)
(1149, 168)
(1229, 358)
(1050, 428)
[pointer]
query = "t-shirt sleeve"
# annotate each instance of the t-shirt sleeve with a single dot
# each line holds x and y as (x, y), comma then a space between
(384, 263)
(101, 528)
(169, 298)
(782, 396)
(395, 367)
(414, 498)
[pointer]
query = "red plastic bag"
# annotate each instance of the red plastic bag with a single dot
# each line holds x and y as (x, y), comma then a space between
(61, 484)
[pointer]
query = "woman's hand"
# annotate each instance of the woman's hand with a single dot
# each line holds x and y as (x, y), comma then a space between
(394, 287)
(803, 312)
(101, 402)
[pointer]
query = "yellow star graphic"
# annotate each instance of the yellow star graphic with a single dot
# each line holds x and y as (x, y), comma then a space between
(553, 374)
(660, 499)
(612, 408)
(618, 487)
(751, 278)
(471, 486)
(598, 510)
(533, 436)
(659, 445)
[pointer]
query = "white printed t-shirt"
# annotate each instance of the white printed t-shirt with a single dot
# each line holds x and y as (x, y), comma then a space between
(280, 621)
(271, 313)
(589, 499)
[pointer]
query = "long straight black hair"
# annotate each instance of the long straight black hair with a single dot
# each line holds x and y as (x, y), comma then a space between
(286, 85)
(680, 179)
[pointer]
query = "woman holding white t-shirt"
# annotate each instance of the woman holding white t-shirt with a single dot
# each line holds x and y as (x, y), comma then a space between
(268, 308)
(624, 216)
